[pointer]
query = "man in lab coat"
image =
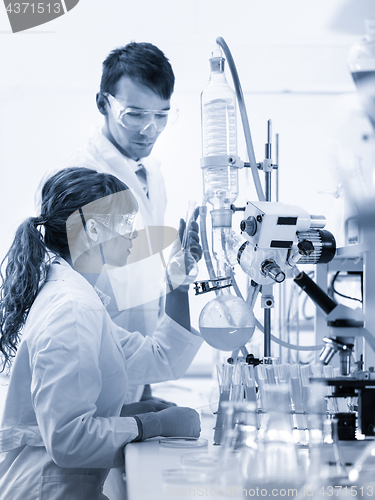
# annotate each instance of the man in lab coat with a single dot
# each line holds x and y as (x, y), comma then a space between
(134, 98)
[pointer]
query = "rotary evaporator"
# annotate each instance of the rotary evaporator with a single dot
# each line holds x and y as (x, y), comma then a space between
(272, 239)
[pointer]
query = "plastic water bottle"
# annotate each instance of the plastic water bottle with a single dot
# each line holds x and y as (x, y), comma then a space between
(219, 135)
(361, 62)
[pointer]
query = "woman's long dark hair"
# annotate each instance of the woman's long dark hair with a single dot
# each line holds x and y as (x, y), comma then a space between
(27, 260)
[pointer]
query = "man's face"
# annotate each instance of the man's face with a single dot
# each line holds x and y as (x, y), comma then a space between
(133, 143)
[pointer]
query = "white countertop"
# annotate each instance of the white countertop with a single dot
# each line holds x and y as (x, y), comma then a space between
(147, 463)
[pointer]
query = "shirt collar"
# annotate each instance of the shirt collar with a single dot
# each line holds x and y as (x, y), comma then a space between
(61, 270)
(108, 150)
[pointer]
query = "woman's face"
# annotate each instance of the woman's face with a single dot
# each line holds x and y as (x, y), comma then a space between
(115, 245)
(106, 232)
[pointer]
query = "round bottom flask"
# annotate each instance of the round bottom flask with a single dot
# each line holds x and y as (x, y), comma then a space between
(227, 322)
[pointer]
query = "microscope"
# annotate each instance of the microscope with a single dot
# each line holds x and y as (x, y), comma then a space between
(345, 325)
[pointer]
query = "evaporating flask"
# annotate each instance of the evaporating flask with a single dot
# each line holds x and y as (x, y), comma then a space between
(361, 62)
(226, 322)
(219, 136)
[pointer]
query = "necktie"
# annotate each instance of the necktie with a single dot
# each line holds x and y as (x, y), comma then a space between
(142, 177)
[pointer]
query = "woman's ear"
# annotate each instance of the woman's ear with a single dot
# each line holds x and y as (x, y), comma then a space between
(92, 229)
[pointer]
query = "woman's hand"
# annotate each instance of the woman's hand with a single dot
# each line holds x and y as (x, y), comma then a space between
(177, 302)
(193, 241)
(148, 406)
(173, 422)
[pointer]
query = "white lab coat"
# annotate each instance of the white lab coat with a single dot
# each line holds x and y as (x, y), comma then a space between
(135, 289)
(138, 304)
(61, 431)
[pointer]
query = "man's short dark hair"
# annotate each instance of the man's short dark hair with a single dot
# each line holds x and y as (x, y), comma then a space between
(142, 62)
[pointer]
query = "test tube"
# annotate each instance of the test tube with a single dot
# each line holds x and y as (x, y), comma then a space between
(248, 378)
(237, 392)
(297, 400)
(224, 374)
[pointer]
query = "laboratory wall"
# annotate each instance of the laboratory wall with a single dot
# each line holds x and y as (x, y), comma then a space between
(291, 60)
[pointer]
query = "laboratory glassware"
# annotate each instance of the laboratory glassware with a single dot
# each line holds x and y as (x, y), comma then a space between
(249, 384)
(277, 464)
(238, 450)
(226, 322)
(237, 385)
(362, 472)
(224, 375)
(182, 269)
(183, 442)
(361, 62)
(219, 136)
(316, 408)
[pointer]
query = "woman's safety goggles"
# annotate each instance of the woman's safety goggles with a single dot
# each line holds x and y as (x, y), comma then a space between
(121, 224)
(139, 119)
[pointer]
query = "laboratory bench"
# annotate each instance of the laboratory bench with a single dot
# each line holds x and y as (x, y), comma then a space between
(147, 463)
(148, 467)
(155, 471)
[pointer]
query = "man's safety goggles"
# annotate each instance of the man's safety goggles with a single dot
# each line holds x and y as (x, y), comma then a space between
(139, 119)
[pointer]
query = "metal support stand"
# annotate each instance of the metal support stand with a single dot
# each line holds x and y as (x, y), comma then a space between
(267, 333)
(267, 303)
(267, 291)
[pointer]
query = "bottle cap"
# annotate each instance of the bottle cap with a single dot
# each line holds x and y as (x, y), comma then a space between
(217, 52)
(217, 60)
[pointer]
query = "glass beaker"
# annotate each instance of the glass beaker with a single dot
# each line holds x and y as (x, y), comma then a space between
(239, 448)
(362, 471)
(277, 464)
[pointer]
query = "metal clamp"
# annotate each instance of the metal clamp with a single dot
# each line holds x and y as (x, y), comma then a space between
(221, 161)
(211, 285)
(265, 165)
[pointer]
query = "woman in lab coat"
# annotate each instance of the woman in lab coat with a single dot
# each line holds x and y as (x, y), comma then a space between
(62, 428)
